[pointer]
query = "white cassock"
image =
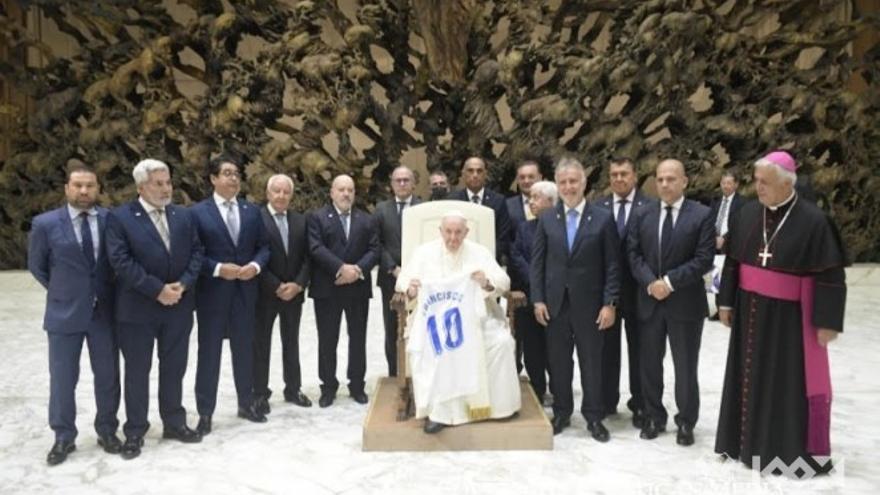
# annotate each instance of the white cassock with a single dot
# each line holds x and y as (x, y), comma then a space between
(462, 362)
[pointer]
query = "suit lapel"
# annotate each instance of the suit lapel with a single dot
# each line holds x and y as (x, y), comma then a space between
(147, 223)
(214, 211)
(586, 218)
(272, 227)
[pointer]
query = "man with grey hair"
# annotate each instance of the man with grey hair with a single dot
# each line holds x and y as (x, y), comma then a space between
(389, 218)
(154, 249)
(530, 335)
(575, 282)
(459, 348)
(282, 292)
(783, 292)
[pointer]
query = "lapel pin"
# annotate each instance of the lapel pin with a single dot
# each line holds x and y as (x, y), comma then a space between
(137, 213)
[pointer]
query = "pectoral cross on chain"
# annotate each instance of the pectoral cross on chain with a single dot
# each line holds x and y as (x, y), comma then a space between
(765, 255)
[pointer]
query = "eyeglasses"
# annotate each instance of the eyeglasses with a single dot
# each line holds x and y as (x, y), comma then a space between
(230, 173)
(402, 180)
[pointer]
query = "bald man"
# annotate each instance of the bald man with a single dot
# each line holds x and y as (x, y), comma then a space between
(344, 245)
(671, 245)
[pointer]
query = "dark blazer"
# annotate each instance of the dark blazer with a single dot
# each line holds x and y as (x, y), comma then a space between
(735, 204)
(521, 256)
(515, 212)
(294, 266)
(253, 245)
(627, 283)
(143, 265)
(330, 250)
(57, 261)
(503, 227)
(590, 273)
(388, 223)
(690, 256)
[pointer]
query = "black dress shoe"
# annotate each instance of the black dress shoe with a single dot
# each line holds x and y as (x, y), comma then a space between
(59, 451)
(262, 405)
(638, 419)
(183, 434)
(685, 436)
(298, 398)
(560, 423)
(204, 426)
(651, 429)
(432, 427)
(326, 400)
(598, 431)
(360, 397)
(132, 447)
(251, 414)
(110, 443)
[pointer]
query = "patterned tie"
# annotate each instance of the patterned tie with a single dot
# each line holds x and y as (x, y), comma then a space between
(281, 220)
(158, 219)
(232, 221)
(571, 226)
(475, 198)
(665, 235)
(88, 246)
(722, 214)
(345, 223)
(621, 217)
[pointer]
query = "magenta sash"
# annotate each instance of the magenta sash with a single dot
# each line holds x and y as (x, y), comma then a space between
(817, 372)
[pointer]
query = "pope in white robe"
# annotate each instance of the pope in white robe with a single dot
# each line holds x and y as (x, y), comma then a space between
(455, 384)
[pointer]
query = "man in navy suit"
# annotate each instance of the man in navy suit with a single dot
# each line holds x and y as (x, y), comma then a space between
(282, 291)
(389, 214)
(725, 208)
(623, 202)
(575, 280)
(155, 251)
(67, 255)
(543, 195)
(236, 251)
(527, 173)
(671, 246)
(344, 245)
(474, 173)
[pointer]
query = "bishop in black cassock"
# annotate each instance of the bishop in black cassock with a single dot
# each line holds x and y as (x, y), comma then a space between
(782, 293)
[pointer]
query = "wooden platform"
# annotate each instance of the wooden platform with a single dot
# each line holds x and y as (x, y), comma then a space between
(528, 430)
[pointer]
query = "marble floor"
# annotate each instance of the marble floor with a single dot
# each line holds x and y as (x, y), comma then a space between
(318, 451)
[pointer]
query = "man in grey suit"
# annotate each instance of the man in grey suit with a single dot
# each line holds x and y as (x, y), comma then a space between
(574, 282)
(671, 245)
(389, 214)
(282, 292)
(68, 256)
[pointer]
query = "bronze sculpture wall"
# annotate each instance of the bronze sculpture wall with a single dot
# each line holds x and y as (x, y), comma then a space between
(714, 83)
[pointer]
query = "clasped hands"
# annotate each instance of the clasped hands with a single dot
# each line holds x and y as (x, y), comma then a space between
(171, 294)
(231, 271)
(478, 276)
(659, 290)
(348, 274)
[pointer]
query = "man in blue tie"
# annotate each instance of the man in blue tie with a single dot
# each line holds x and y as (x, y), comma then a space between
(67, 255)
(236, 251)
(574, 282)
(623, 202)
(344, 244)
(670, 246)
(155, 252)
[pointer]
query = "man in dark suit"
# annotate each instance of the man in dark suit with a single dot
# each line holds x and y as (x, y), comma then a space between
(236, 251)
(388, 220)
(155, 251)
(474, 173)
(439, 183)
(725, 208)
(518, 209)
(543, 195)
(623, 202)
(574, 282)
(282, 291)
(344, 244)
(67, 255)
(670, 247)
